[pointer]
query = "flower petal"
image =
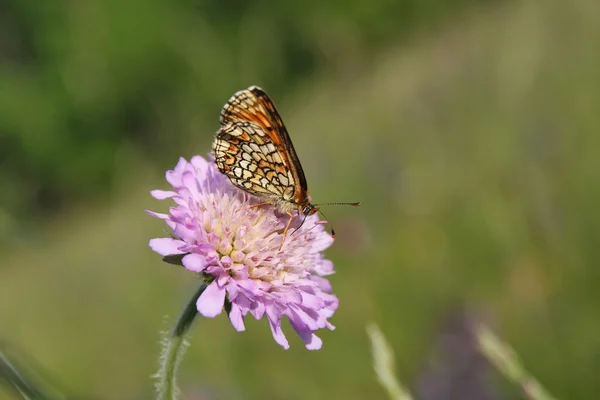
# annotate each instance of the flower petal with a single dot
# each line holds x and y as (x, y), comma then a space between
(194, 262)
(157, 215)
(166, 246)
(210, 303)
(322, 283)
(275, 324)
(324, 267)
(278, 334)
(236, 318)
(162, 194)
(174, 176)
(311, 341)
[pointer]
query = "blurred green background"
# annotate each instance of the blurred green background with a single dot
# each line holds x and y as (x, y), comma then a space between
(467, 129)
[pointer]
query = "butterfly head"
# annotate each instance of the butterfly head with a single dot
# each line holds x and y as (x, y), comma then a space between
(309, 209)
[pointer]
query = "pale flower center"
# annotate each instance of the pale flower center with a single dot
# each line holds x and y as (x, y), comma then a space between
(252, 226)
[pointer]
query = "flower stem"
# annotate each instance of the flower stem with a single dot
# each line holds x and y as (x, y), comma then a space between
(173, 347)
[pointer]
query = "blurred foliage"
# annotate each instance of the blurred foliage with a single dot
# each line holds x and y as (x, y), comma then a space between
(79, 80)
(471, 142)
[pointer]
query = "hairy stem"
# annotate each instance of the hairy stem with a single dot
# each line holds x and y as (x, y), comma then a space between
(173, 347)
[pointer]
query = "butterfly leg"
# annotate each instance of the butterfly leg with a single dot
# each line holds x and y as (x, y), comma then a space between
(255, 205)
(287, 227)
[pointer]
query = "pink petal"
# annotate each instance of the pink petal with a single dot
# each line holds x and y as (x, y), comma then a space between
(313, 343)
(309, 300)
(247, 284)
(222, 279)
(259, 310)
(302, 320)
(191, 184)
(210, 303)
(275, 324)
(278, 334)
(321, 283)
(174, 176)
(184, 233)
(194, 262)
(200, 164)
(166, 246)
(162, 194)
(236, 318)
(157, 215)
(324, 267)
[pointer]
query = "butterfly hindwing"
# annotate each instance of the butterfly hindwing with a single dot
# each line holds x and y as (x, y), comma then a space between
(252, 162)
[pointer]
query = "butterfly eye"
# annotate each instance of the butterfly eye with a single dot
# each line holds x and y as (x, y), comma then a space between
(309, 210)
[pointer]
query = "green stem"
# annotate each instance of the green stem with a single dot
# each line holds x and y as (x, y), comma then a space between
(385, 366)
(173, 348)
(507, 362)
(23, 385)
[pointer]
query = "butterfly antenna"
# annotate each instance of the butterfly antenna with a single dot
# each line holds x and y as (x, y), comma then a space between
(330, 224)
(354, 204)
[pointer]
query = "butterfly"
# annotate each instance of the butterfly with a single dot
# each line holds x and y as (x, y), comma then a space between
(254, 150)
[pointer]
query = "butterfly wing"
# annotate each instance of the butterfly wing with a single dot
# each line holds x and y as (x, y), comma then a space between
(244, 153)
(254, 149)
(254, 105)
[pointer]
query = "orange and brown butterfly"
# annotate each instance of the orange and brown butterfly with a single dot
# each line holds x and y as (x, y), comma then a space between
(253, 149)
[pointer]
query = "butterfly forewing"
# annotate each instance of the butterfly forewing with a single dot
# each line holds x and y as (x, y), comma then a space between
(253, 149)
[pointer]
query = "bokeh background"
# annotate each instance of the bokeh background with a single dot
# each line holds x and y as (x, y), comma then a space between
(467, 129)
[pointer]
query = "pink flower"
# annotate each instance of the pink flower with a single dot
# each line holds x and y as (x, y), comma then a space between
(236, 249)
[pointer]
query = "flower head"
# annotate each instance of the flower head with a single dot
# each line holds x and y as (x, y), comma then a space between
(237, 249)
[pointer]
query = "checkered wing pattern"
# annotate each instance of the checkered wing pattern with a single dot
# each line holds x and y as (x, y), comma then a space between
(253, 149)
